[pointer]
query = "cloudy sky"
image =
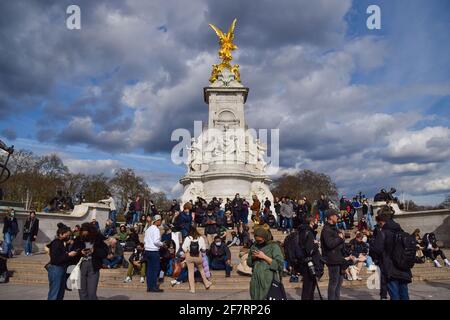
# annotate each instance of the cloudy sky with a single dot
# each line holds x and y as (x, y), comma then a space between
(369, 107)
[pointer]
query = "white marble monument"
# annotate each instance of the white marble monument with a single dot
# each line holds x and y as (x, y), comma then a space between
(226, 158)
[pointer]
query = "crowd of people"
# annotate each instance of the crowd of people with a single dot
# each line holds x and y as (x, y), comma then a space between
(196, 238)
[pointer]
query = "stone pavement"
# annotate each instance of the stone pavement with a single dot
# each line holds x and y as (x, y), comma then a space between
(426, 290)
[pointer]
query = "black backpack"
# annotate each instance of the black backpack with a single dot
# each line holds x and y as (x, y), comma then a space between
(194, 248)
(292, 252)
(404, 251)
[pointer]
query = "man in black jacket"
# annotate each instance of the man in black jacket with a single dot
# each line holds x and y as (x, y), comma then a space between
(332, 241)
(383, 246)
(30, 231)
(310, 252)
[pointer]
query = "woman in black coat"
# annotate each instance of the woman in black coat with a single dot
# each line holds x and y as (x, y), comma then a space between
(93, 248)
(30, 231)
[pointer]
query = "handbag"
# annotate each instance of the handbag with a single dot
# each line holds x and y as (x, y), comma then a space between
(74, 281)
(276, 290)
(176, 268)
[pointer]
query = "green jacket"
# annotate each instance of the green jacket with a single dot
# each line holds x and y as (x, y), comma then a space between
(122, 236)
(262, 272)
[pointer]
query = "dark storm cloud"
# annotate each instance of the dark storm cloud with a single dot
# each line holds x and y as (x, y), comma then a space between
(9, 133)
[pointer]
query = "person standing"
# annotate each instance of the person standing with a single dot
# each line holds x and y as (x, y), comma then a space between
(310, 252)
(152, 243)
(332, 241)
(277, 205)
(322, 206)
(137, 210)
(10, 230)
(91, 244)
(59, 260)
(266, 260)
(211, 229)
(30, 231)
(267, 204)
(193, 246)
(112, 208)
(256, 207)
(287, 212)
(236, 206)
(396, 277)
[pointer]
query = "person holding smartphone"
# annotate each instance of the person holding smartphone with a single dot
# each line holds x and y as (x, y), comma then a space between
(92, 250)
(59, 260)
(266, 260)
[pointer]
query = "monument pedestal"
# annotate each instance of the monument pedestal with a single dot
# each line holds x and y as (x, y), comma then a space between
(226, 159)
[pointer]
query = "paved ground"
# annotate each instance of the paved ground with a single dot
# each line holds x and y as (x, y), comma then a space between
(418, 291)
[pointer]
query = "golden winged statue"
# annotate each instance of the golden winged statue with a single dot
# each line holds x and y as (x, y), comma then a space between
(226, 47)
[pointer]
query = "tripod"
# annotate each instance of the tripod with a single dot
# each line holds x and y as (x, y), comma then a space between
(317, 286)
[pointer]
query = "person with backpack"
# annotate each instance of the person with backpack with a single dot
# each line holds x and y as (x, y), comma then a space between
(30, 231)
(332, 241)
(10, 231)
(396, 251)
(192, 246)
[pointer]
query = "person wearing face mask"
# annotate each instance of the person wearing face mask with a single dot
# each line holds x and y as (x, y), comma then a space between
(266, 260)
(93, 249)
(60, 258)
(10, 231)
(220, 256)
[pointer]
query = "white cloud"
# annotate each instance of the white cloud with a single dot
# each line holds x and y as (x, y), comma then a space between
(106, 166)
(427, 145)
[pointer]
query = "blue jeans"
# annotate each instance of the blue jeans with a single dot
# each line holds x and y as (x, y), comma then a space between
(9, 238)
(113, 262)
(341, 225)
(369, 219)
(113, 217)
(136, 217)
(28, 245)
(153, 268)
(322, 216)
(56, 282)
(221, 265)
(369, 261)
(288, 223)
(398, 290)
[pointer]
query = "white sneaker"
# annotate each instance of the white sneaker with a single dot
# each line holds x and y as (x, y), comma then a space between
(349, 278)
(437, 264)
(127, 279)
(142, 279)
(174, 283)
(372, 268)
